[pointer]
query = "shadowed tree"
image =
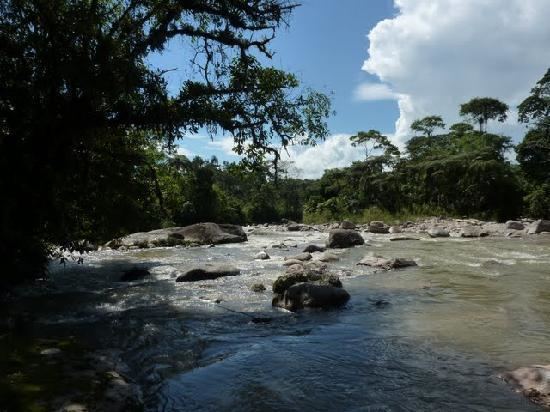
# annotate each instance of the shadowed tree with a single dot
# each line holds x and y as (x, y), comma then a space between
(373, 140)
(483, 109)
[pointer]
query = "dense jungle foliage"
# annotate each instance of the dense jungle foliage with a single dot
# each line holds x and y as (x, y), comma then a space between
(88, 131)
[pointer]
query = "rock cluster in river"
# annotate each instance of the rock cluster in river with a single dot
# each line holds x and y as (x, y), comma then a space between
(533, 382)
(207, 272)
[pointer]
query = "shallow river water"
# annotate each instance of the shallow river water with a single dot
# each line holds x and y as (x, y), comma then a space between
(471, 310)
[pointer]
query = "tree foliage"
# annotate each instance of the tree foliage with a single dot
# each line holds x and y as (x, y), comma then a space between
(427, 125)
(483, 109)
(80, 107)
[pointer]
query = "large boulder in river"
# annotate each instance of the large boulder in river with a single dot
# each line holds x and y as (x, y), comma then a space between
(343, 238)
(301, 257)
(311, 295)
(539, 226)
(378, 227)
(533, 382)
(207, 273)
(211, 233)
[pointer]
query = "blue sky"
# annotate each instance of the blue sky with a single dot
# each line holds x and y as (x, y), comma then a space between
(389, 62)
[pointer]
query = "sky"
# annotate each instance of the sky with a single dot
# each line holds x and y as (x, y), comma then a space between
(386, 63)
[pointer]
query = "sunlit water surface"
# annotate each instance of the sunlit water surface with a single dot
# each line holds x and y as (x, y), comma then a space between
(472, 309)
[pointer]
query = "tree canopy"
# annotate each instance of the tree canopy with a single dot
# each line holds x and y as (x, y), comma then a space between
(427, 125)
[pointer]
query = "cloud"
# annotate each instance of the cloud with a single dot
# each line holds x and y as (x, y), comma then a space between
(184, 151)
(224, 144)
(311, 161)
(374, 91)
(435, 55)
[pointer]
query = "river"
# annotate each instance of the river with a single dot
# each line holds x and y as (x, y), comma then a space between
(472, 309)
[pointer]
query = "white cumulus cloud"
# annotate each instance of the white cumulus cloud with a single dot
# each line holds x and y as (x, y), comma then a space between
(311, 161)
(437, 54)
(374, 91)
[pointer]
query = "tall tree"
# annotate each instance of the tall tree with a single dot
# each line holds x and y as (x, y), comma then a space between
(373, 140)
(483, 109)
(427, 125)
(78, 100)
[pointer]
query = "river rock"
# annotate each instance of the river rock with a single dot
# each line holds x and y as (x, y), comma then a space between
(290, 262)
(314, 248)
(207, 273)
(212, 233)
(514, 225)
(398, 238)
(344, 238)
(301, 257)
(293, 227)
(533, 382)
(285, 281)
(257, 287)
(346, 224)
(262, 255)
(438, 232)
(311, 295)
(539, 226)
(378, 227)
(132, 275)
(386, 264)
(394, 229)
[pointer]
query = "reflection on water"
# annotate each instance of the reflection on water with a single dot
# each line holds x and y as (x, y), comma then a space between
(470, 310)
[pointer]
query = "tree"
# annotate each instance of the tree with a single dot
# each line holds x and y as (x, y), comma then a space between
(460, 129)
(483, 109)
(427, 125)
(536, 107)
(79, 100)
(373, 140)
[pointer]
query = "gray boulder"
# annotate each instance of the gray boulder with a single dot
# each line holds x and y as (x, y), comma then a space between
(346, 224)
(207, 273)
(395, 229)
(328, 257)
(211, 233)
(311, 295)
(344, 238)
(283, 282)
(378, 227)
(293, 227)
(438, 232)
(514, 225)
(380, 262)
(539, 226)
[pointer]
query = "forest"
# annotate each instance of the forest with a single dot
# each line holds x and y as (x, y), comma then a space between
(89, 132)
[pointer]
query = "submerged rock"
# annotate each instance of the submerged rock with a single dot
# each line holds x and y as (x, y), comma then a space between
(328, 257)
(344, 238)
(132, 275)
(207, 273)
(258, 287)
(533, 382)
(311, 295)
(300, 257)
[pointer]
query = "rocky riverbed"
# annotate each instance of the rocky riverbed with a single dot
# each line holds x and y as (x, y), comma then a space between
(425, 315)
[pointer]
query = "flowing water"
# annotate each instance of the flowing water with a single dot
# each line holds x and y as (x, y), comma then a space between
(472, 309)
